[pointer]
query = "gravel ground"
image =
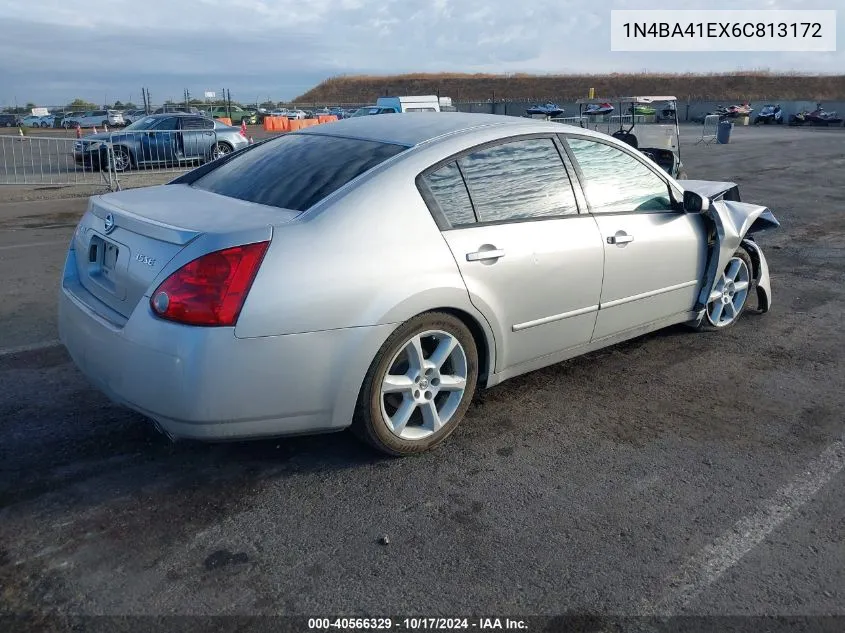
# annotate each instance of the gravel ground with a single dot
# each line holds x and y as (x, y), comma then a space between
(677, 473)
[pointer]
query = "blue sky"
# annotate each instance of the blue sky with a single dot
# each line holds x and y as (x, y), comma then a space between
(52, 50)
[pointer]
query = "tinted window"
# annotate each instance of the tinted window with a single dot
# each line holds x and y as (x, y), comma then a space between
(615, 181)
(166, 123)
(448, 188)
(196, 123)
(521, 179)
(295, 171)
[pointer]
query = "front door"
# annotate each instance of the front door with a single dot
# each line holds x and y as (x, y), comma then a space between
(158, 145)
(654, 253)
(531, 263)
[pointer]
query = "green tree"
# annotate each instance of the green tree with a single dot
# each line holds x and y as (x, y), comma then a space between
(81, 104)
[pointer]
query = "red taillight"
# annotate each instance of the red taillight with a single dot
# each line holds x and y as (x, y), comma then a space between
(211, 289)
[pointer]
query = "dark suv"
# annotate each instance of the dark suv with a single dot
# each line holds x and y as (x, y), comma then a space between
(9, 120)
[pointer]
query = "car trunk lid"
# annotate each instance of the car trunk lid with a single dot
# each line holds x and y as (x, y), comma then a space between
(126, 239)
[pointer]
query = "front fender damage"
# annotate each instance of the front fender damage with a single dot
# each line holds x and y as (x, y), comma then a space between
(733, 224)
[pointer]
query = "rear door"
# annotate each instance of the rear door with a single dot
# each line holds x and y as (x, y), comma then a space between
(195, 138)
(655, 254)
(531, 262)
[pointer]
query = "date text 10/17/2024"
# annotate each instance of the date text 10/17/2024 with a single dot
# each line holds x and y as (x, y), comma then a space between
(416, 624)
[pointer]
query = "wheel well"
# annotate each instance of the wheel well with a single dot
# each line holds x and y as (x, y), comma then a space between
(484, 369)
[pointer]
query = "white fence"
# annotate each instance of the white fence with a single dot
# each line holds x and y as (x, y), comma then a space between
(579, 121)
(709, 129)
(112, 158)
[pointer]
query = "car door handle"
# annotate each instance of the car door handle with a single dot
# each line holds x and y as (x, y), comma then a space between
(620, 238)
(478, 256)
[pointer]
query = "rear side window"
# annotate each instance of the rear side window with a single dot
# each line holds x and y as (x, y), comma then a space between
(518, 180)
(196, 123)
(295, 171)
(448, 188)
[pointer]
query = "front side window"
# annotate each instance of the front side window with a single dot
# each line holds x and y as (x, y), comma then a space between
(449, 191)
(295, 171)
(617, 182)
(166, 123)
(518, 180)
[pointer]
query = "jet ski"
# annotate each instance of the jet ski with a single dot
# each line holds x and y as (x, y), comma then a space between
(594, 109)
(547, 109)
(820, 116)
(769, 114)
(734, 111)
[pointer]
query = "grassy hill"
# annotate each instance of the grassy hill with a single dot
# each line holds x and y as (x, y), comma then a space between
(746, 86)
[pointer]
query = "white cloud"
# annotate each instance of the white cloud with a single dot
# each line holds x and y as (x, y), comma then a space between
(283, 46)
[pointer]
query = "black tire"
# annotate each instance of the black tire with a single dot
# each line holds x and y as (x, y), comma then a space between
(368, 422)
(706, 325)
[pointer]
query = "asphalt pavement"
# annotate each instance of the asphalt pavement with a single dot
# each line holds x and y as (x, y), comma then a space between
(678, 473)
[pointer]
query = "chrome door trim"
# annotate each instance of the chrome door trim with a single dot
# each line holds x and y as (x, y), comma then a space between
(554, 317)
(646, 295)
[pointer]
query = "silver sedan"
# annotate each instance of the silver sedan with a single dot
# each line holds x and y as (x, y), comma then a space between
(374, 271)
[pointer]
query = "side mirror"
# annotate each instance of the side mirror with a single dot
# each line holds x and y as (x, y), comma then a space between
(695, 203)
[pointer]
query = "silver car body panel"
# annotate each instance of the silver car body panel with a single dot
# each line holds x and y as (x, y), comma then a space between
(338, 279)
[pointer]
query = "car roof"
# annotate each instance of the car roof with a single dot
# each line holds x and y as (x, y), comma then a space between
(413, 128)
(162, 115)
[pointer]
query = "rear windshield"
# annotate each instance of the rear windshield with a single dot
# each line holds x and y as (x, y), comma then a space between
(295, 171)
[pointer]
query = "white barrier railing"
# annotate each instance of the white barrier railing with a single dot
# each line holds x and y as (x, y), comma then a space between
(38, 160)
(579, 121)
(709, 129)
(106, 159)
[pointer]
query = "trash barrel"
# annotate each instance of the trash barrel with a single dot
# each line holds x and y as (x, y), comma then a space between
(723, 132)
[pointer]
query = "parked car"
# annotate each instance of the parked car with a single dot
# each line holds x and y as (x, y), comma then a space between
(370, 110)
(94, 118)
(170, 108)
(160, 140)
(130, 116)
(49, 120)
(236, 113)
(31, 120)
(262, 259)
(10, 120)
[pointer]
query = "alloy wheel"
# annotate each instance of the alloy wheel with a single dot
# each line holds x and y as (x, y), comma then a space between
(424, 385)
(728, 297)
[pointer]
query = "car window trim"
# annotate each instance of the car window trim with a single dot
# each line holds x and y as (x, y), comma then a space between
(579, 174)
(475, 148)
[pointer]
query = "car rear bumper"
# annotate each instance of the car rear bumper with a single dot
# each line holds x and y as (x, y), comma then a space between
(205, 383)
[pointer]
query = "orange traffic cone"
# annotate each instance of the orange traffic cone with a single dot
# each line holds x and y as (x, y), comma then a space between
(243, 128)
(78, 131)
(105, 128)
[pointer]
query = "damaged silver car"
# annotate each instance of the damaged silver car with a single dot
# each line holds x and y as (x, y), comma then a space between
(372, 272)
